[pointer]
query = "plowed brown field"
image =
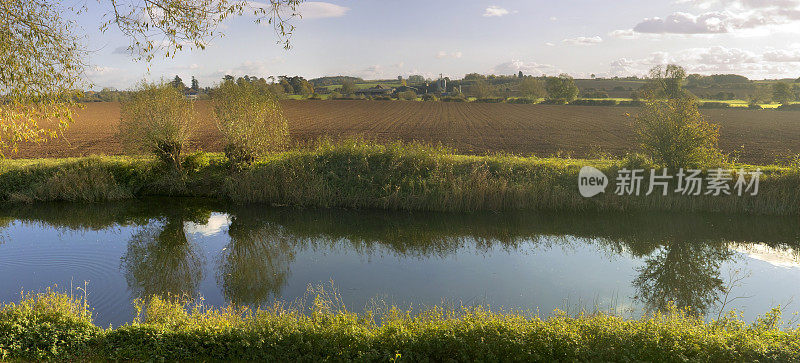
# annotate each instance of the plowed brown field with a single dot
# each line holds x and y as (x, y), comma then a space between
(468, 127)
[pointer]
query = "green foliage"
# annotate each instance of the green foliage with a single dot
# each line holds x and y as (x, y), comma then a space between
(674, 134)
(532, 88)
(250, 119)
(480, 89)
(55, 326)
(46, 326)
(407, 95)
(561, 88)
(157, 119)
(42, 64)
(590, 102)
(666, 82)
(196, 161)
(357, 174)
(782, 92)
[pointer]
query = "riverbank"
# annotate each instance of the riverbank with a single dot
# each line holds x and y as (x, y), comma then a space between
(355, 174)
(56, 326)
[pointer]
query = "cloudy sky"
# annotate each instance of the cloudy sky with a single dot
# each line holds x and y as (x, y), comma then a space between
(387, 38)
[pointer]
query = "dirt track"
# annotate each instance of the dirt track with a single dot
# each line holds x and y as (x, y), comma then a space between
(470, 128)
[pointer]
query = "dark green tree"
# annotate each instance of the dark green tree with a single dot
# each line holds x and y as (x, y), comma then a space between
(561, 88)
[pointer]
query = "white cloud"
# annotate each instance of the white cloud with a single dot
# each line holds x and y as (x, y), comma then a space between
(530, 68)
(320, 10)
(496, 11)
(685, 23)
(734, 16)
(782, 55)
(623, 34)
(714, 60)
(583, 40)
(549, 44)
(216, 224)
(444, 54)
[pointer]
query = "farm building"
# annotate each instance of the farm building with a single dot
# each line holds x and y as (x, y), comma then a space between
(375, 91)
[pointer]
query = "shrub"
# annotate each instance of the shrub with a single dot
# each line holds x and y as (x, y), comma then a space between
(583, 102)
(45, 326)
(634, 103)
(454, 99)
(429, 97)
(561, 87)
(595, 94)
(755, 106)
(526, 101)
(490, 100)
(156, 118)
(707, 105)
(407, 95)
(250, 119)
(554, 101)
(789, 107)
(196, 161)
(674, 134)
(382, 98)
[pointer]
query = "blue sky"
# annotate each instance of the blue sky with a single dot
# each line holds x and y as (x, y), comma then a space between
(387, 38)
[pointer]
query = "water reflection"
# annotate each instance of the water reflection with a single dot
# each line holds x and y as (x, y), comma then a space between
(255, 263)
(161, 260)
(684, 273)
(679, 256)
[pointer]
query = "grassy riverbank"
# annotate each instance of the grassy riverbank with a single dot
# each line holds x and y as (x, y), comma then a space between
(56, 326)
(361, 175)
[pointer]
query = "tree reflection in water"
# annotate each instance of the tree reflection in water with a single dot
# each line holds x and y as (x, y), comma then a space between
(161, 260)
(255, 264)
(682, 254)
(683, 273)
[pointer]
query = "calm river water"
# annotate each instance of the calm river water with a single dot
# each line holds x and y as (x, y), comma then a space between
(625, 263)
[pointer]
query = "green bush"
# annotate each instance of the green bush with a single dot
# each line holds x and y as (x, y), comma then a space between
(706, 105)
(196, 161)
(250, 119)
(522, 101)
(490, 100)
(53, 327)
(554, 101)
(156, 118)
(585, 102)
(407, 95)
(454, 99)
(633, 103)
(46, 326)
(674, 134)
(789, 107)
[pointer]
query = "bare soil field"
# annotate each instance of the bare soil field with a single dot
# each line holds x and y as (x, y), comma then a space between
(475, 128)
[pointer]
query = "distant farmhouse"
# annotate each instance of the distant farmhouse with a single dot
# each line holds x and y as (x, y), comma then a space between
(375, 91)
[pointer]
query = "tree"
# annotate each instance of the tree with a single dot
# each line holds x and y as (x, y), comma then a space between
(43, 60)
(520, 75)
(156, 119)
(348, 87)
(672, 132)
(250, 119)
(416, 79)
(480, 89)
(782, 92)
(561, 88)
(666, 82)
(532, 88)
(42, 63)
(177, 82)
(195, 85)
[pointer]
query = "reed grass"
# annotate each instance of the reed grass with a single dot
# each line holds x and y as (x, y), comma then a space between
(358, 174)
